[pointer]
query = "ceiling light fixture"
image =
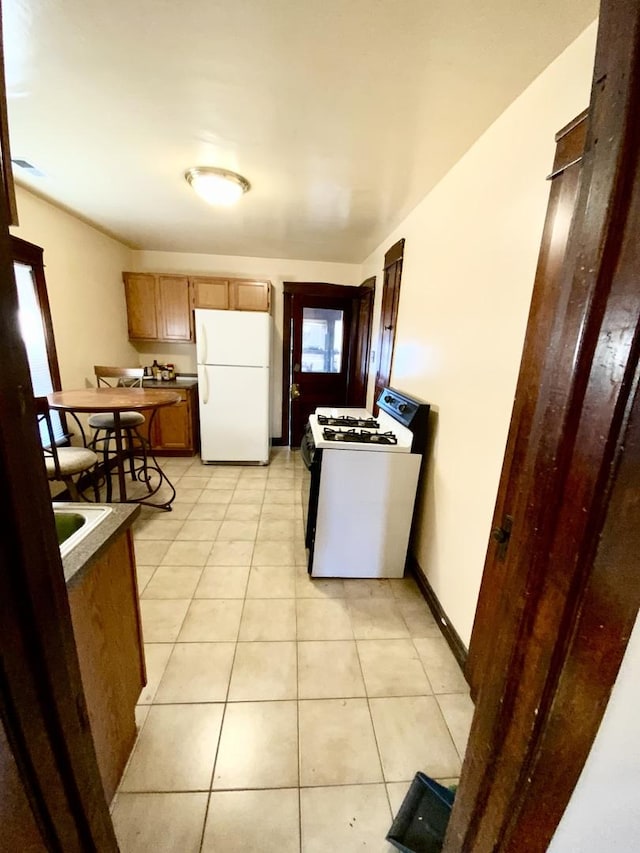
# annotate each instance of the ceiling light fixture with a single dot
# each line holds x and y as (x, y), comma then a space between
(217, 186)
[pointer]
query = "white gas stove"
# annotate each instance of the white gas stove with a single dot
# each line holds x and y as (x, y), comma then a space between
(358, 429)
(364, 473)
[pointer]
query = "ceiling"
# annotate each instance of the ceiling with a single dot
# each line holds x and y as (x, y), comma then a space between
(341, 113)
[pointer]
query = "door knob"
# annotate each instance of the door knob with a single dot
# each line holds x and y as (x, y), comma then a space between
(294, 391)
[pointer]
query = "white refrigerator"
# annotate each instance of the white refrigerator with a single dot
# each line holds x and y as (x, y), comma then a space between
(233, 351)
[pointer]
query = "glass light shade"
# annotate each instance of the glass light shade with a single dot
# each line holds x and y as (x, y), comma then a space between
(217, 186)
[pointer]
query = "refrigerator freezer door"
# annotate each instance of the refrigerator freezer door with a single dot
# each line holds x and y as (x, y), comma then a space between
(240, 338)
(234, 413)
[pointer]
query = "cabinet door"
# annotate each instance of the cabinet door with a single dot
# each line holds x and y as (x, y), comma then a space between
(250, 295)
(210, 293)
(140, 293)
(174, 308)
(174, 425)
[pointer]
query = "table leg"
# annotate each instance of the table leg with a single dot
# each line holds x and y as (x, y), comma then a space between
(122, 487)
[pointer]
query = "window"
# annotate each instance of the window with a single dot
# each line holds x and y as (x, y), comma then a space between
(34, 318)
(322, 333)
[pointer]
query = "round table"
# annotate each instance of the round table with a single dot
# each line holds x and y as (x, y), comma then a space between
(115, 401)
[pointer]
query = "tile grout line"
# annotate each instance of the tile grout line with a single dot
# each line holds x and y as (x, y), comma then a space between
(373, 727)
(224, 714)
(295, 611)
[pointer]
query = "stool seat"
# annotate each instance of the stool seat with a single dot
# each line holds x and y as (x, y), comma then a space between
(71, 460)
(107, 420)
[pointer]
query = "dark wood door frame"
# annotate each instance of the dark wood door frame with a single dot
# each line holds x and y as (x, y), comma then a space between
(45, 742)
(388, 316)
(547, 302)
(359, 343)
(41, 696)
(559, 642)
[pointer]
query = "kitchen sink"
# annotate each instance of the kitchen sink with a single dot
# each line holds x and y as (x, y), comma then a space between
(75, 521)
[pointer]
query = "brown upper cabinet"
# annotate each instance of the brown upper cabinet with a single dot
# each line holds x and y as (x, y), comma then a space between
(159, 306)
(235, 294)
(211, 293)
(173, 308)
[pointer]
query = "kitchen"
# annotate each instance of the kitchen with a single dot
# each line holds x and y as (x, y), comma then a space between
(85, 283)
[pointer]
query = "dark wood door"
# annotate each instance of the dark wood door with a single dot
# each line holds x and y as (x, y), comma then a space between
(320, 335)
(548, 302)
(565, 597)
(388, 315)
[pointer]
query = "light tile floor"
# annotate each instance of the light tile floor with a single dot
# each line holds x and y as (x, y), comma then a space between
(281, 713)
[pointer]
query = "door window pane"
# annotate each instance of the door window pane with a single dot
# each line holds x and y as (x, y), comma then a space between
(322, 331)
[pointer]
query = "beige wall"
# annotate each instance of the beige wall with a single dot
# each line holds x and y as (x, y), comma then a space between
(470, 258)
(83, 268)
(276, 270)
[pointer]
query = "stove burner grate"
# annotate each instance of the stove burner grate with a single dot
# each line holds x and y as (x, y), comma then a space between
(348, 421)
(362, 437)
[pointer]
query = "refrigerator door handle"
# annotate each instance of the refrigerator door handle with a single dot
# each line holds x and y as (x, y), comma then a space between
(201, 344)
(205, 395)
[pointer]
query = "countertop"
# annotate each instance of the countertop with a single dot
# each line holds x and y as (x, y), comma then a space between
(178, 382)
(86, 551)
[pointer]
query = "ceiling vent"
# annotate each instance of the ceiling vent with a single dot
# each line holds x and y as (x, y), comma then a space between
(28, 167)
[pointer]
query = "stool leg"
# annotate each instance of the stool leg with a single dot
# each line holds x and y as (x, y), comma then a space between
(105, 462)
(144, 468)
(130, 453)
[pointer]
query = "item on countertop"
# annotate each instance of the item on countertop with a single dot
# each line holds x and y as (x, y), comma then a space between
(156, 369)
(148, 372)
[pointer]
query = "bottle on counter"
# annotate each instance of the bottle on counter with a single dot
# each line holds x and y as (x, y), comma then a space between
(156, 369)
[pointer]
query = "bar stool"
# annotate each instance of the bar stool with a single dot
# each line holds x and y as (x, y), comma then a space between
(63, 463)
(119, 377)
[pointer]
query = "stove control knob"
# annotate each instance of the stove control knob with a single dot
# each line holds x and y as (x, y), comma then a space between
(403, 408)
(388, 399)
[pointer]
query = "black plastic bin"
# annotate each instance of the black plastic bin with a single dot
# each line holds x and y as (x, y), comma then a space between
(422, 819)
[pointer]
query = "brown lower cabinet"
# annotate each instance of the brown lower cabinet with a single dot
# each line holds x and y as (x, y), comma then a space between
(174, 429)
(106, 625)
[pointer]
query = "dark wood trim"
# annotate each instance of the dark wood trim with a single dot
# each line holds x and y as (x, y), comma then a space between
(360, 344)
(450, 634)
(394, 254)
(41, 695)
(290, 289)
(547, 302)
(574, 588)
(570, 144)
(32, 255)
(287, 310)
(318, 288)
(368, 283)
(390, 305)
(579, 119)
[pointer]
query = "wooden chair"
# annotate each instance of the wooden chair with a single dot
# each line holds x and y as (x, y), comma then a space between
(118, 377)
(63, 463)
